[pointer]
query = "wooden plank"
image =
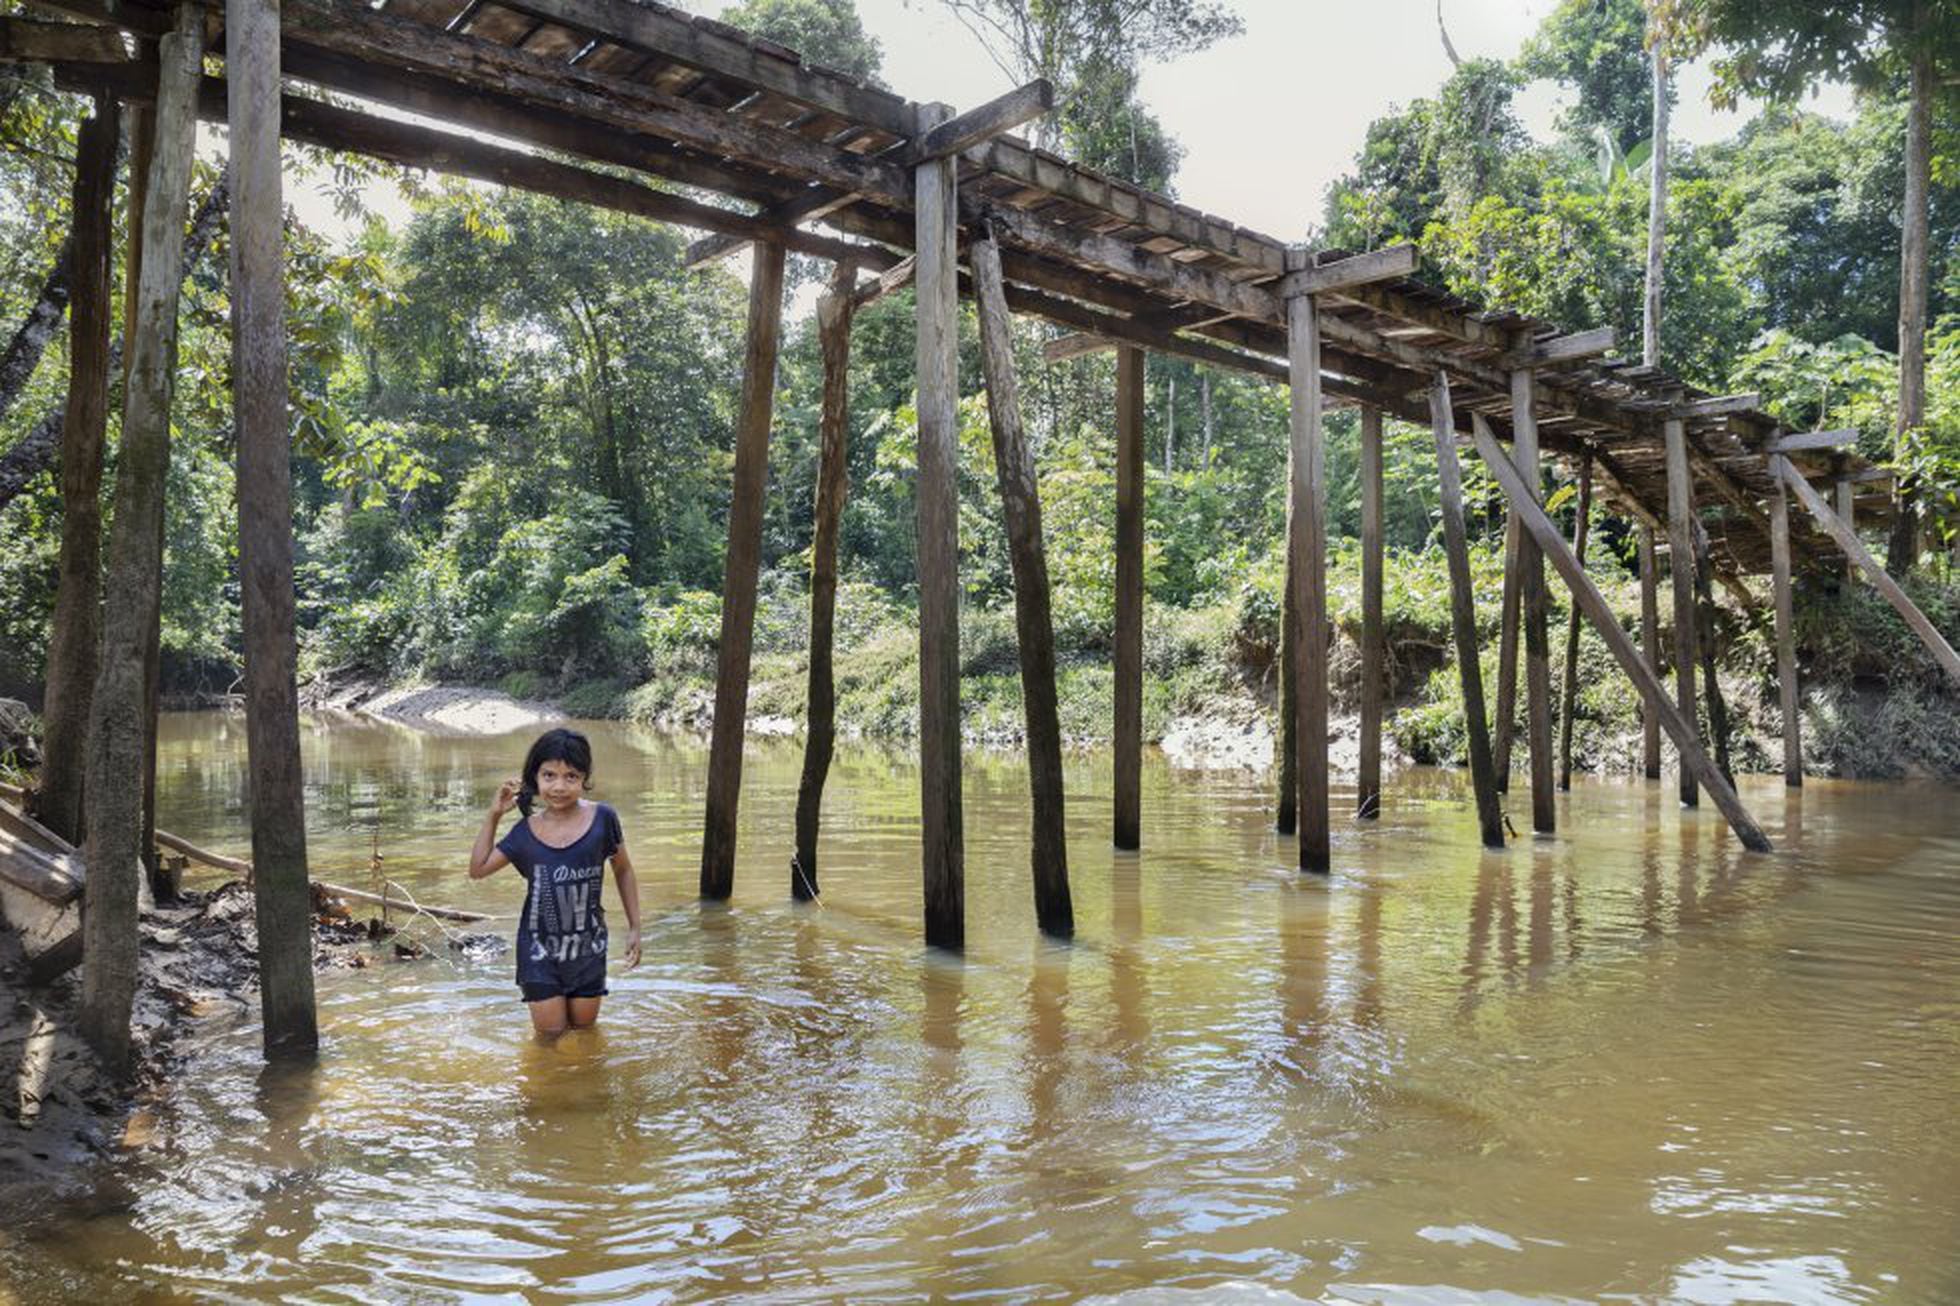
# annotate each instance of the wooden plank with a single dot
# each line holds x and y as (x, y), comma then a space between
(27, 40)
(1714, 406)
(1847, 539)
(1463, 616)
(1020, 498)
(896, 277)
(1368, 795)
(718, 50)
(1535, 615)
(1593, 604)
(1650, 645)
(740, 569)
(281, 890)
(834, 313)
(1309, 559)
(1569, 692)
(817, 202)
(31, 868)
(942, 829)
(1080, 344)
(1786, 639)
(1681, 568)
(1344, 274)
(1127, 650)
(1001, 114)
(1565, 349)
(1802, 441)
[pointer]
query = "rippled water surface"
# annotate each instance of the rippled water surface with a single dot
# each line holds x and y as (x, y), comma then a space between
(1632, 1063)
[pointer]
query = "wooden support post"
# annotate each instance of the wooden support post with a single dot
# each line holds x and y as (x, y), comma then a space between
(1711, 687)
(1847, 539)
(1463, 616)
(942, 829)
(1569, 689)
(1650, 646)
(1507, 656)
(1309, 494)
(1286, 746)
(1536, 615)
(1368, 797)
(1020, 500)
(1681, 569)
(76, 630)
(739, 572)
(1847, 511)
(834, 312)
(113, 780)
(281, 890)
(1524, 498)
(1786, 639)
(1128, 651)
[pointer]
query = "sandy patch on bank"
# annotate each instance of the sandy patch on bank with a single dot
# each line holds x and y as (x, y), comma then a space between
(451, 709)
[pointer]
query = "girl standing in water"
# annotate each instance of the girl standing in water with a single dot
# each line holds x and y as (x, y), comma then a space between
(561, 851)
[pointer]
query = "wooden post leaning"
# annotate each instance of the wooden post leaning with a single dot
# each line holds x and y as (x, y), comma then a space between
(1020, 499)
(739, 572)
(1593, 604)
(113, 783)
(1569, 686)
(1368, 795)
(1847, 540)
(1650, 646)
(1786, 640)
(1681, 571)
(1535, 613)
(281, 888)
(1308, 492)
(1847, 511)
(1127, 654)
(76, 630)
(834, 312)
(1463, 616)
(942, 828)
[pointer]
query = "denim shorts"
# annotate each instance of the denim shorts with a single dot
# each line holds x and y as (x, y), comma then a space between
(582, 977)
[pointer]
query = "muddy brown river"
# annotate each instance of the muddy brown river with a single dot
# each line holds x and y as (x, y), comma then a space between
(1631, 1064)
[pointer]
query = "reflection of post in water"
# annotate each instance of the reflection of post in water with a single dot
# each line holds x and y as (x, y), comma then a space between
(1303, 972)
(1687, 903)
(1541, 910)
(822, 1049)
(1047, 1041)
(1490, 904)
(725, 1021)
(1368, 957)
(1126, 976)
(1570, 883)
(941, 1101)
(286, 1096)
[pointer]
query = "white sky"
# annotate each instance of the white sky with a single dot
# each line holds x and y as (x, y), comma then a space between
(1267, 119)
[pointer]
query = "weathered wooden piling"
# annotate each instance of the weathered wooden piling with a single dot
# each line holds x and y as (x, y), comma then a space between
(1509, 608)
(1127, 653)
(1463, 615)
(834, 313)
(1786, 639)
(1374, 670)
(1020, 498)
(1309, 568)
(281, 891)
(740, 570)
(113, 780)
(76, 630)
(1536, 614)
(942, 829)
(1569, 685)
(1286, 755)
(1650, 647)
(1681, 570)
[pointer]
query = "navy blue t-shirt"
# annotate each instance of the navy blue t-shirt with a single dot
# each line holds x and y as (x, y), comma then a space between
(563, 920)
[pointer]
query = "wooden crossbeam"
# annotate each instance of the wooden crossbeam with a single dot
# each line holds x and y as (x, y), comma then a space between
(24, 40)
(1847, 539)
(1345, 274)
(1565, 349)
(896, 277)
(1803, 440)
(817, 202)
(1715, 406)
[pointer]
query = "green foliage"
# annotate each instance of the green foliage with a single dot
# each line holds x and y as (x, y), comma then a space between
(1596, 47)
(824, 32)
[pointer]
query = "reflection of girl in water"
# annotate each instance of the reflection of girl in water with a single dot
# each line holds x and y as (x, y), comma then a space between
(561, 851)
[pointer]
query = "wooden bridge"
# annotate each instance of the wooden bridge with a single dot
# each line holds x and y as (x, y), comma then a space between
(633, 99)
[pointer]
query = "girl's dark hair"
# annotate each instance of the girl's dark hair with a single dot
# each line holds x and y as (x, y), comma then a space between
(561, 745)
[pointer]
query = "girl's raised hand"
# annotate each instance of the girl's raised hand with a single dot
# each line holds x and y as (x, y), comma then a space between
(506, 797)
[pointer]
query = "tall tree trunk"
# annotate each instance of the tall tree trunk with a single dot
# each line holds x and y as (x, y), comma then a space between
(34, 452)
(1903, 549)
(1170, 424)
(39, 326)
(1650, 325)
(1204, 407)
(114, 781)
(76, 630)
